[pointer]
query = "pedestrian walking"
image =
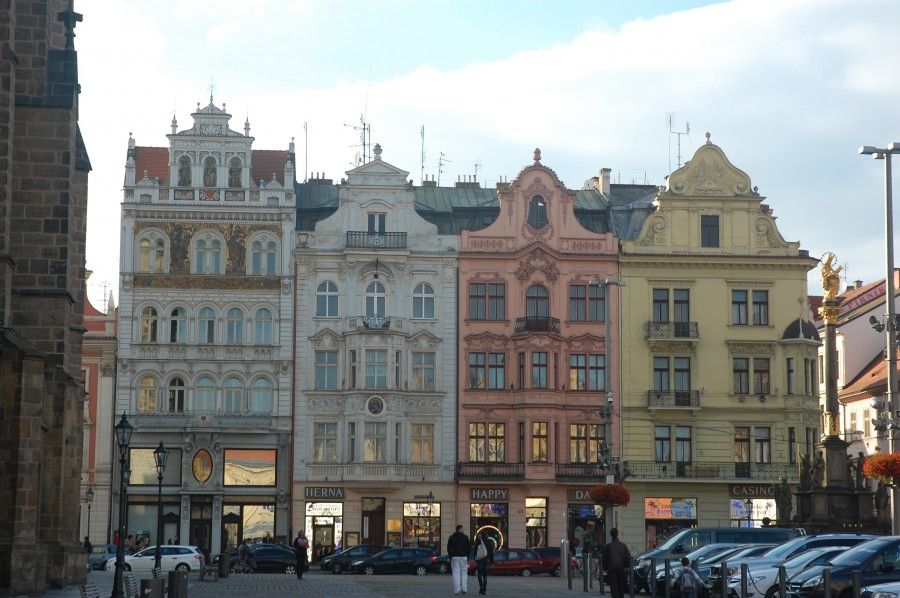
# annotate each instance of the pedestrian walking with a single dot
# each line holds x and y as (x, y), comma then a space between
(616, 559)
(301, 548)
(687, 578)
(484, 558)
(458, 547)
(129, 544)
(87, 545)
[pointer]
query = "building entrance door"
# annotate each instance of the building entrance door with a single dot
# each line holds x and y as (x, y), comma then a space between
(323, 537)
(373, 520)
(200, 533)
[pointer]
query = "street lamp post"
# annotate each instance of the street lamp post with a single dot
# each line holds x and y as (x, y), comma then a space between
(430, 520)
(123, 438)
(88, 498)
(160, 455)
(749, 505)
(891, 346)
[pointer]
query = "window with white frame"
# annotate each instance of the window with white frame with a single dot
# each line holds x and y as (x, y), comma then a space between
(261, 396)
(325, 442)
(147, 395)
(423, 301)
(421, 443)
(423, 370)
(234, 326)
(327, 300)
(262, 257)
(375, 442)
(326, 370)
(206, 326)
(205, 395)
(262, 327)
(208, 255)
(176, 395)
(376, 368)
(149, 324)
(234, 394)
(375, 299)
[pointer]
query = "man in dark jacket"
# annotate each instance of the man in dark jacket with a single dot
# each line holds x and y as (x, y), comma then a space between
(616, 559)
(458, 547)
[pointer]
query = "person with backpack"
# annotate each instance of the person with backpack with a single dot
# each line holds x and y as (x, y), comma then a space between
(301, 548)
(688, 579)
(484, 558)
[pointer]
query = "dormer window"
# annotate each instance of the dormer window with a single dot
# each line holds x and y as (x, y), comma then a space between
(234, 173)
(537, 212)
(377, 223)
(184, 171)
(209, 172)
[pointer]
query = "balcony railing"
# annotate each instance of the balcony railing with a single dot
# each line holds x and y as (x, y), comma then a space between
(674, 399)
(204, 420)
(357, 239)
(673, 330)
(704, 470)
(333, 472)
(577, 472)
(376, 322)
(537, 324)
(491, 470)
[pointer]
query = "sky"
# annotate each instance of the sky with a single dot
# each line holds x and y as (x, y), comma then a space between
(788, 88)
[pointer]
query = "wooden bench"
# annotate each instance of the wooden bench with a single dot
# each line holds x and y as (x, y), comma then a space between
(90, 590)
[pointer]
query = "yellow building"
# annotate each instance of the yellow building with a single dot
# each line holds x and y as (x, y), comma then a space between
(719, 395)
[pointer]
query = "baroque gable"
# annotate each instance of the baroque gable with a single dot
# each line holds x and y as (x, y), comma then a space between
(326, 339)
(709, 174)
(423, 340)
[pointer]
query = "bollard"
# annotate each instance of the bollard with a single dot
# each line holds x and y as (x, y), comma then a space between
(569, 574)
(223, 566)
(564, 563)
(667, 577)
(592, 564)
(151, 588)
(585, 564)
(651, 578)
(744, 572)
(826, 579)
(632, 582)
(856, 584)
(782, 582)
(724, 581)
(178, 584)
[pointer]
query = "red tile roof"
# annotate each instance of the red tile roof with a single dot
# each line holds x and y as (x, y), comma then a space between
(155, 160)
(267, 162)
(871, 381)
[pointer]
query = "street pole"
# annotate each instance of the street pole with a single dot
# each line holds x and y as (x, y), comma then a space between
(160, 455)
(123, 438)
(88, 498)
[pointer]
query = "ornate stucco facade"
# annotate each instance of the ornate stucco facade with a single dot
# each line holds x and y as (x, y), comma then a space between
(375, 369)
(205, 321)
(719, 393)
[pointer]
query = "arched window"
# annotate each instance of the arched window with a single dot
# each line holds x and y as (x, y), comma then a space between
(261, 397)
(201, 257)
(374, 299)
(327, 300)
(176, 395)
(537, 212)
(235, 326)
(262, 257)
(215, 255)
(144, 251)
(234, 173)
(423, 301)
(205, 395)
(209, 172)
(537, 302)
(233, 396)
(147, 395)
(149, 321)
(206, 332)
(178, 325)
(262, 327)
(159, 256)
(270, 257)
(184, 171)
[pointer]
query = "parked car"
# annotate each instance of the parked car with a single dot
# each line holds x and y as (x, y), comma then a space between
(783, 552)
(442, 565)
(338, 563)
(762, 581)
(270, 558)
(396, 560)
(99, 555)
(517, 562)
(703, 564)
(554, 555)
(691, 539)
(881, 590)
(877, 561)
(172, 558)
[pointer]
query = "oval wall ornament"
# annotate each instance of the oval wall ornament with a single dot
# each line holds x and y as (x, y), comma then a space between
(202, 466)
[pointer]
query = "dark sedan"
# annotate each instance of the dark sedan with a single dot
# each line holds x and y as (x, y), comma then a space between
(396, 560)
(270, 558)
(338, 563)
(877, 561)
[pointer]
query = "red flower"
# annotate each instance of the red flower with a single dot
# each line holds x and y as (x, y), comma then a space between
(884, 467)
(612, 495)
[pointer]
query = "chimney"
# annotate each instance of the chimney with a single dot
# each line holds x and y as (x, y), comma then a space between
(858, 284)
(604, 180)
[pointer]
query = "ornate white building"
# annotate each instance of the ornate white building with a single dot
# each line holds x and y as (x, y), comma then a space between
(204, 346)
(376, 370)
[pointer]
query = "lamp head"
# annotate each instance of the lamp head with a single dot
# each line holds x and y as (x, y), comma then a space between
(868, 150)
(876, 324)
(160, 455)
(89, 495)
(123, 432)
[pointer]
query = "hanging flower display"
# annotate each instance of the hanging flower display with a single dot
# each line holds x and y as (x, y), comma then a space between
(612, 495)
(883, 467)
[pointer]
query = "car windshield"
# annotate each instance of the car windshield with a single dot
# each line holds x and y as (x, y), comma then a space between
(782, 550)
(722, 556)
(803, 558)
(859, 553)
(675, 540)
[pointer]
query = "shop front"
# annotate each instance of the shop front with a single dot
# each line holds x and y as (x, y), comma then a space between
(584, 520)
(665, 516)
(751, 505)
(422, 525)
(489, 511)
(324, 524)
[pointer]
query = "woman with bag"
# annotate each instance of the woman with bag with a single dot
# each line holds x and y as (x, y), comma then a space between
(301, 547)
(484, 558)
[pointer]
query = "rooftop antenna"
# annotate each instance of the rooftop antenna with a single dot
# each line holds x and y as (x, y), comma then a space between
(305, 151)
(365, 138)
(477, 165)
(687, 130)
(441, 161)
(422, 163)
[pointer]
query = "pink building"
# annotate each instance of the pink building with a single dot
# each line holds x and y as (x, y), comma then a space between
(533, 365)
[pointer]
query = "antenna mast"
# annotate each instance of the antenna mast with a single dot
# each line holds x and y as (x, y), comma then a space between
(422, 162)
(687, 131)
(477, 166)
(441, 161)
(305, 151)
(365, 139)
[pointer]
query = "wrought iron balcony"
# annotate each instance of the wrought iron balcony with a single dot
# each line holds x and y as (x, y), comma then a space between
(705, 470)
(674, 399)
(376, 322)
(673, 330)
(577, 472)
(482, 470)
(537, 324)
(358, 239)
(335, 472)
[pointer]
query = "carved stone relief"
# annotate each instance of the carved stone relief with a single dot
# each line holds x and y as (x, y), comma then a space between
(537, 261)
(655, 234)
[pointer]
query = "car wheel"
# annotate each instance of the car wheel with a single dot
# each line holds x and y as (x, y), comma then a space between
(369, 570)
(290, 569)
(772, 591)
(337, 568)
(421, 570)
(555, 571)
(126, 567)
(443, 568)
(182, 567)
(526, 572)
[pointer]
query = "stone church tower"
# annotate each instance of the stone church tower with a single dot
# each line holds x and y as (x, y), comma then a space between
(43, 200)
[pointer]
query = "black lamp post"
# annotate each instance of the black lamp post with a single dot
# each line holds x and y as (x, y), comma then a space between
(430, 520)
(160, 455)
(749, 503)
(123, 437)
(88, 498)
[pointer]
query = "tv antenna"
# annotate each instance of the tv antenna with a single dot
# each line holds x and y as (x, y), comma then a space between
(477, 165)
(422, 162)
(687, 131)
(441, 161)
(365, 140)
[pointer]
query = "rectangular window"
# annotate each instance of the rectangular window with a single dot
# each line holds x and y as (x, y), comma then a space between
(521, 371)
(477, 301)
(682, 444)
(742, 444)
(487, 301)
(596, 309)
(661, 373)
(421, 443)
(587, 303)
(496, 442)
(376, 368)
(791, 376)
(821, 370)
(578, 302)
(521, 442)
(423, 370)
(792, 445)
(351, 442)
(497, 371)
(375, 442)
(660, 306)
(662, 445)
(596, 439)
(763, 444)
(596, 372)
(739, 308)
(249, 467)
(578, 439)
(539, 442)
(535, 522)
(709, 230)
(326, 370)
(398, 441)
(578, 372)
(352, 368)
(761, 308)
(682, 299)
(477, 372)
(538, 369)
(143, 467)
(761, 375)
(809, 376)
(496, 303)
(740, 370)
(682, 375)
(377, 223)
(325, 443)
(477, 441)
(398, 365)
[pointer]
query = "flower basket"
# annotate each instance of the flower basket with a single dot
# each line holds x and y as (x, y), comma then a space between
(884, 467)
(610, 495)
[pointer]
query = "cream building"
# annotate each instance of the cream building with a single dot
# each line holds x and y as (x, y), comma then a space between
(719, 394)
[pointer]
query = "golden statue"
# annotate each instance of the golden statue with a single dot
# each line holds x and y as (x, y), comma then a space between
(831, 277)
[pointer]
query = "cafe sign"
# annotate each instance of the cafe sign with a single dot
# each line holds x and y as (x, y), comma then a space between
(325, 492)
(579, 495)
(751, 490)
(490, 494)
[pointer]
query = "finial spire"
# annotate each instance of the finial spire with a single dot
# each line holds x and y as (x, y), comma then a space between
(377, 151)
(707, 137)
(537, 155)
